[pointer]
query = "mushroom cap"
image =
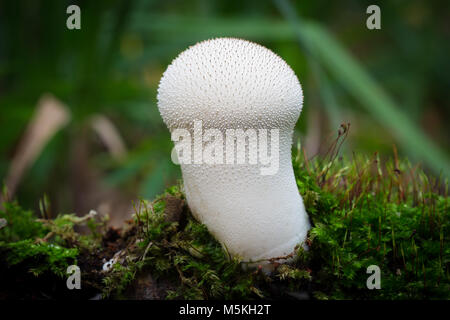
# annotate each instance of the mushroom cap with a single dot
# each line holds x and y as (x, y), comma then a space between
(229, 83)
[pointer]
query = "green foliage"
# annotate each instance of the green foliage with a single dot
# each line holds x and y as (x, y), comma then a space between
(21, 224)
(120, 277)
(325, 51)
(39, 257)
(42, 245)
(17, 243)
(61, 230)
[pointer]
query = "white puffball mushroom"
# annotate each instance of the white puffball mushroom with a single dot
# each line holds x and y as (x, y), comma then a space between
(236, 84)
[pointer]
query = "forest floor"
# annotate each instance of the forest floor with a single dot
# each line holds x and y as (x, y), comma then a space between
(364, 212)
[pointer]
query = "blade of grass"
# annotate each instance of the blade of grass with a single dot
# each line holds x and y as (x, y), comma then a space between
(361, 85)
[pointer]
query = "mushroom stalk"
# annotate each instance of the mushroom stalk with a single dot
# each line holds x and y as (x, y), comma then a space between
(231, 106)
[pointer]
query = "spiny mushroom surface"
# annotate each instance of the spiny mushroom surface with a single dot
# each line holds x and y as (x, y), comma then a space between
(236, 84)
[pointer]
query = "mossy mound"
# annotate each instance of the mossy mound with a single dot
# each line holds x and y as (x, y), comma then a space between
(363, 212)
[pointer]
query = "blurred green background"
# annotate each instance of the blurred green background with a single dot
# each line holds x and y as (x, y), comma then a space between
(110, 145)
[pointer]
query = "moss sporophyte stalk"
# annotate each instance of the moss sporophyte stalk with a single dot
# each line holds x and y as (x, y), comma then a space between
(363, 211)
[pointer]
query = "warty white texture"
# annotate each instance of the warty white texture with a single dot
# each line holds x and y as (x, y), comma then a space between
(230, 84)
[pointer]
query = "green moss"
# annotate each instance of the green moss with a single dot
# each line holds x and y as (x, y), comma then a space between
(41, 245)
(20, 223)
(40, 258)
(363, 213)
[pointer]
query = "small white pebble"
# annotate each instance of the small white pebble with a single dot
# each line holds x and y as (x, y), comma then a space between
(108, 265)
